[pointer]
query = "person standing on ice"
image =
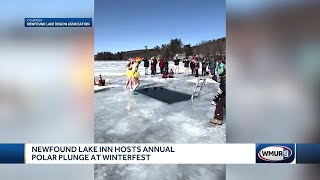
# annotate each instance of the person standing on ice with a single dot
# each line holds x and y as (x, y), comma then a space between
(196, 67)
(162, 65)
(154, 66)
(167, 64)
(212, 67)
(186, 66)
(129, 73)
(204, 67)
(192, 65)
(220, 100)
(176, 65)
(146, 65)
(135, 73)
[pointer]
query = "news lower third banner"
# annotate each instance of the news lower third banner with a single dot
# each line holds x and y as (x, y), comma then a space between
(159, 153)
(58, 22)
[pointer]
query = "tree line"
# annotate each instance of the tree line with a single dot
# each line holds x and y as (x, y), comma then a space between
(175, 46)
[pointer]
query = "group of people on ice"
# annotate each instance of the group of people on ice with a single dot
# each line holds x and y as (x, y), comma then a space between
(217, 71)
(192, 63)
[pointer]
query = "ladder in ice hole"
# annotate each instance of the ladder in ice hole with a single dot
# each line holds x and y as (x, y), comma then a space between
(196, 93)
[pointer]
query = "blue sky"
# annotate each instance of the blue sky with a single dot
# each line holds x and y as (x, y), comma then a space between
(122, 25)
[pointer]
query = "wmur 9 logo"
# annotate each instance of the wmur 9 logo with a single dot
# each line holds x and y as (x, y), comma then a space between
(275, 153)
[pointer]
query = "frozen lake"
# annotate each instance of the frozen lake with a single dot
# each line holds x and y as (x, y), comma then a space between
(123, 117)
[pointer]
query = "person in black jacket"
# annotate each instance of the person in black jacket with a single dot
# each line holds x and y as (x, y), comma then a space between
(186, 66)
(154, 66)
(146, 65)
(220, 100)
(167, 64)
(196, 67)
(192, 66)
(176, 65)
(204, 67)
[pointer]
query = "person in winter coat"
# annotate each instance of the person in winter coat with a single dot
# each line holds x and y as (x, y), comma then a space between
(220, 100)
(165, 74)
(162, 65)
(167, 64)
(196, 67)
(192, 66)
(212, 67)
(154, 66)
(204, 67)
(176, 65)
(146, 65)
(171, 74)
(186, 66)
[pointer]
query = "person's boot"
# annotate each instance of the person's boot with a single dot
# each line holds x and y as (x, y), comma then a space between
(216, 121)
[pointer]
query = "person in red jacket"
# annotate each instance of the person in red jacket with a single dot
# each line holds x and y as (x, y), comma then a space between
(171, 74)
(162, 65)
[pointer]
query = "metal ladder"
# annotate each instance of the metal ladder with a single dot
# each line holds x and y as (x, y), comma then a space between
(201, 82)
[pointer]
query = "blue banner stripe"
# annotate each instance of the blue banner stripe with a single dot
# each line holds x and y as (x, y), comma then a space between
(11, 153)
(308, 153)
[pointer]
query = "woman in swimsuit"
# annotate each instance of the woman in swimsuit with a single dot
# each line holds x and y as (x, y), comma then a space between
(135, 74)
(129, 74)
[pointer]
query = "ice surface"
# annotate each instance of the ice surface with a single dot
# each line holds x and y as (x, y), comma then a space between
(100, 88)
(125, 117)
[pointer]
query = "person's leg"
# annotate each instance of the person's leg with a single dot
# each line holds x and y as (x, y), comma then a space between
(218, 114)
(127, 84)
(132, 84)
(137, 83)
(212, 72)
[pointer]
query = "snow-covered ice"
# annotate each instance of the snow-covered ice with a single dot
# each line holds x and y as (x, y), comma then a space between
(123, 117)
